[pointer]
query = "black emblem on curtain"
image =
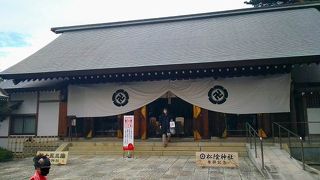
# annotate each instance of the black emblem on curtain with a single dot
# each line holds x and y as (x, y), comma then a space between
(120, 98)
(218, 95)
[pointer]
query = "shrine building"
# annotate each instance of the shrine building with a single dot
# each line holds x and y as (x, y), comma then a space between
(214, 72)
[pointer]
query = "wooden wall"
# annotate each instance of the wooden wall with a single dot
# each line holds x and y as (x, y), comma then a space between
(63, 120)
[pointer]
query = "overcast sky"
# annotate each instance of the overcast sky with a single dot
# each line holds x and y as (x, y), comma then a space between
(25, 24)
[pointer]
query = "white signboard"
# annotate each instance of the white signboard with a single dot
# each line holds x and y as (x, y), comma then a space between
(128, 131)
(217, 159)
(56, 157)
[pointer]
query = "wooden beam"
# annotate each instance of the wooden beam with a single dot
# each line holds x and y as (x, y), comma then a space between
(205, 123)
(63, 120)
(305, 115)
(120, 126)
(137, 119)
(143, 123)
(197, 123)
(293, 112)
(37, 112)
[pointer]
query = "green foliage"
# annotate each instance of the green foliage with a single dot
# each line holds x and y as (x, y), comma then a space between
(265, 3)
(4, 110)
(5, 155)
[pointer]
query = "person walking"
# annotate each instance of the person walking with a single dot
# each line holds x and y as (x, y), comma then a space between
(164, 120)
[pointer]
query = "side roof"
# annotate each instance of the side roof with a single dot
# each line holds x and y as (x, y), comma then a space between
(9, 86)
(281, 35)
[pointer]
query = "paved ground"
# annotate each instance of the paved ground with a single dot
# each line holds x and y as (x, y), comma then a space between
(114, 167)
(280, 166)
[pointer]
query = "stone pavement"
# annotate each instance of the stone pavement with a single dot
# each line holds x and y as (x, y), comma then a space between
(279, 165)
(145, 167)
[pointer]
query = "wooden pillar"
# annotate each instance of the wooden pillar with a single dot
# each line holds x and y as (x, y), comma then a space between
(266, 124)
(205, 123)
(120, 126)
(197, 123)
(88, 127)
(63, 120)
(304, 115)
(263, 124)
(137, 117)
(215, 129)
(143, 123)
(37, 112)
(293, 112)
(223, 126)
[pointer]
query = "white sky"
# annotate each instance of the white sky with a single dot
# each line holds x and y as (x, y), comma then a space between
(25, 25)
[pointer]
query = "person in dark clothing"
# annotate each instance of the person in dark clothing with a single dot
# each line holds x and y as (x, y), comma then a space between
(42, 167)
(164, 120)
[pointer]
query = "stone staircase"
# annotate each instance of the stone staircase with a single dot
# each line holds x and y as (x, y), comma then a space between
(156, 148)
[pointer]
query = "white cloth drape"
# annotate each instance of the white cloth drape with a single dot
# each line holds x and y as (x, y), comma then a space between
(246, 95)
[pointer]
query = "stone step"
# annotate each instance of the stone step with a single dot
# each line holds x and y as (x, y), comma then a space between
(95, 148)
(223, 149)
(156, 148)
(108, 148)
(160, 148)
(218, 144)
(175, 148)
(165, 149)
(95, 152)
(178, 144)
(96, 143)
(146, 153)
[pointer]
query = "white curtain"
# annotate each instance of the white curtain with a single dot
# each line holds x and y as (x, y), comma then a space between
(246, 95)
(96, 100)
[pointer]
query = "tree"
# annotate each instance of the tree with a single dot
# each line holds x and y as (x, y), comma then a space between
(5, 109)
(265, 3)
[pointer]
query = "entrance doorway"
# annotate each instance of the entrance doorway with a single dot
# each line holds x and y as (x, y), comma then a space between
(106, 126)
(236, 123)
(180, 110)
(96, 127)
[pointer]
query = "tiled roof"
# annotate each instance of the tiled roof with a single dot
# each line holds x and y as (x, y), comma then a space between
(241, 37)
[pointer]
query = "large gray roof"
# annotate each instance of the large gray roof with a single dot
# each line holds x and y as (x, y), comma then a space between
(245, 36)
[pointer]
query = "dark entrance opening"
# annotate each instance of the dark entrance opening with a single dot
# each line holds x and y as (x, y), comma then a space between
(106, 126)
(234, 124)
(180, 110)
(96, 127)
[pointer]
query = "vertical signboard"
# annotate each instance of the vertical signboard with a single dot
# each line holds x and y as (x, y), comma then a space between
(128, 123)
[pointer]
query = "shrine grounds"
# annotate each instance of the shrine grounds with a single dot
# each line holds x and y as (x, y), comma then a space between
(84, 167)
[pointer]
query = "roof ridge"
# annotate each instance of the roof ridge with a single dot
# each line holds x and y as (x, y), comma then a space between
(62, 29)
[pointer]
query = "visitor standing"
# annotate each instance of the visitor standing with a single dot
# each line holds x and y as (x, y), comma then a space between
(164, 121)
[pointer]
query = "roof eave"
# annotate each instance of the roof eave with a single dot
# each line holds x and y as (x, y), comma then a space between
(193, 66)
